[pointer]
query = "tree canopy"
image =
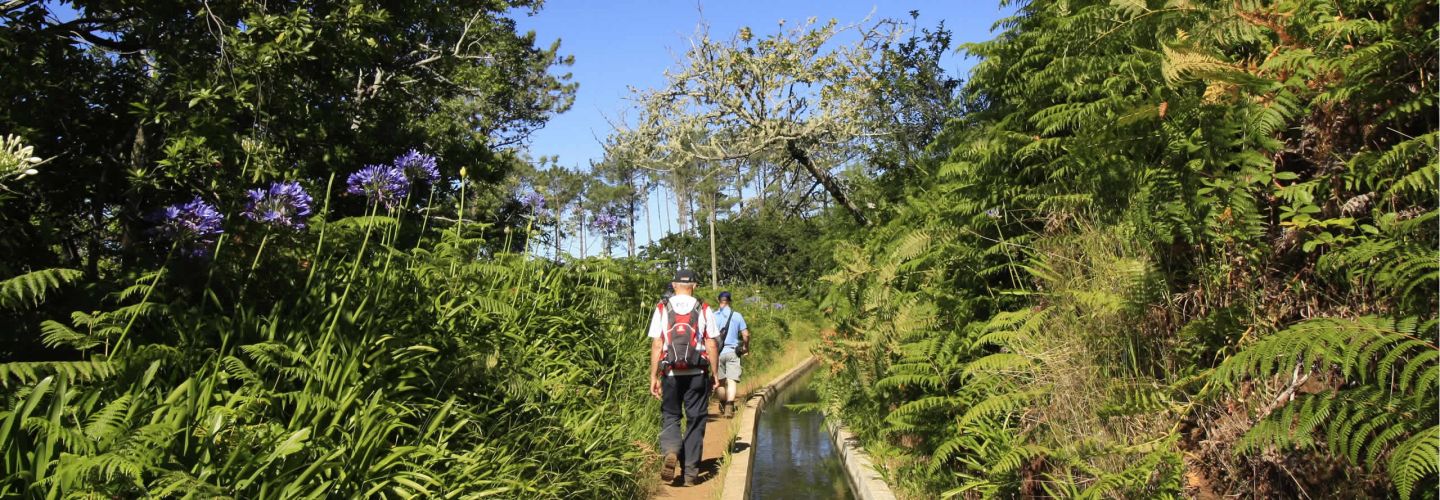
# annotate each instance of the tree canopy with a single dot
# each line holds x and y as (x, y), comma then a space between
(214, 97)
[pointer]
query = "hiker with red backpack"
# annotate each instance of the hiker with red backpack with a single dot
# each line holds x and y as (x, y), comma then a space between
(683, 334)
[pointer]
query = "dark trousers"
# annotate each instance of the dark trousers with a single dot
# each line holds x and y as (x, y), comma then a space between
(689, 394)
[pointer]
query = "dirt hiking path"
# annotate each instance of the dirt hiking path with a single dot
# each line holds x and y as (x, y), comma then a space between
(719, 433)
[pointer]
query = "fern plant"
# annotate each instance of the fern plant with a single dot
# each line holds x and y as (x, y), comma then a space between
(1262, 164)
(1376, 405)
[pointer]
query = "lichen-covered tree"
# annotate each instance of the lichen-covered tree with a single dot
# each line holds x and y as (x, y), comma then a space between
(800, 94)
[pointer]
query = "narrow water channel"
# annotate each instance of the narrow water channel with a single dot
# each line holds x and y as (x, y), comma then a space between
(794, 456)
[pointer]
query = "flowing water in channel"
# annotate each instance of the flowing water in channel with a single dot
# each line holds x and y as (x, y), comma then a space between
(794, 456)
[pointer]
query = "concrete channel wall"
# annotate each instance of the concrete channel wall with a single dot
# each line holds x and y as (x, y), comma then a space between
(864, 480)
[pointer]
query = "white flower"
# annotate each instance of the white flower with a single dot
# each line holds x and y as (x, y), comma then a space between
(31, 171)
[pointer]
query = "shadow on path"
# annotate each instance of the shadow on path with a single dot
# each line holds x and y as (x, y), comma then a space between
(717, 437)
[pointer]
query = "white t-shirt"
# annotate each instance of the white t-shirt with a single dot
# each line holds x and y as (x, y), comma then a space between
(683, 304)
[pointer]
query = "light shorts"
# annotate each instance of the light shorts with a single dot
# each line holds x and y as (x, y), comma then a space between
(729, 365)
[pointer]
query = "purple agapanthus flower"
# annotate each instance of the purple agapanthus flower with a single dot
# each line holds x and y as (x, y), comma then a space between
(384, 184)
(193, 226)
(285, 204)
(606, 223)
(777, 306)
(533, 200)
(418, 166)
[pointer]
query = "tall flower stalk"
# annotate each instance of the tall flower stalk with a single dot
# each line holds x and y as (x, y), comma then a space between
(320, 241)
(535, 202)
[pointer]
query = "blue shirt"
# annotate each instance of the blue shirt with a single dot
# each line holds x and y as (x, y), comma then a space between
(732, 334)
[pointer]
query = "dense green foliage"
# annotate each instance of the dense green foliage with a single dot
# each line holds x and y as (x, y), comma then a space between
(370, 355)
(377, 370)
(147, 103)
(752, 250)
(1176, 248)
(1152, 248)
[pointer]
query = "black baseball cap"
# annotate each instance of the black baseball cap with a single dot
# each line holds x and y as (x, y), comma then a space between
(725, 295)
(685, 276)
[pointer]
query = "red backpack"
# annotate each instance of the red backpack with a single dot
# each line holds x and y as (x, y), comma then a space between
(681, 338)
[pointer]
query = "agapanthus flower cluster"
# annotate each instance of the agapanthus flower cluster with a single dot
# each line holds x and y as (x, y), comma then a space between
(753, 299)
(285, 205)
(192, 226)
(533, 200)
(419, 166)
(606, 223)
(993, 213)
(777, 306)
(385, 184)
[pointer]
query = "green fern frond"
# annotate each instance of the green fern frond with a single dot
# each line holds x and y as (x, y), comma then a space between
(55, 334)
(30, 289)
(925, 381)
(32, 371)
(998, 363)
(109, 421)
(925, 404)
(1181, 63)
(1414, 460)
(998, 403)
(1382, 358)
(1421, 151)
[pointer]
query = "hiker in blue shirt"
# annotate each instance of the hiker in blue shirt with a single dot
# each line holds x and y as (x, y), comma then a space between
(735, 340)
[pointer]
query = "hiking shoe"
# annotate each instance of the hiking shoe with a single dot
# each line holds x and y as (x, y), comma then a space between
(727, 409)
(667, 472)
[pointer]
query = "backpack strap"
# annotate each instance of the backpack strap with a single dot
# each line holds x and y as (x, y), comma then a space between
(725, 330)
(667, 311)
(700, 310)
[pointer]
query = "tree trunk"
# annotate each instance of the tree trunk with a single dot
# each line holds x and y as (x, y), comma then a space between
(739, 191)
(694, 210)
(759, 209)
(682, 206)
(649, 236)
(714, 269)
(630, 244)
(665, 210)
(825, 179)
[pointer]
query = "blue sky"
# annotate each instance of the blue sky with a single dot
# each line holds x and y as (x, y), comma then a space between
(622, 43)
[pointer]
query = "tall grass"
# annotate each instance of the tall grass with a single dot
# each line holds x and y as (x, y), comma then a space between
(356, 363)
